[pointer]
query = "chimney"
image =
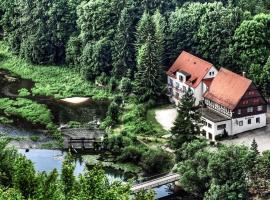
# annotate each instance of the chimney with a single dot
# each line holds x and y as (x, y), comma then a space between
(244, 74)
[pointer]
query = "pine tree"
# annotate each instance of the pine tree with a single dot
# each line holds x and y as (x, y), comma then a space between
(123, 45)
(160, 25)
(254, 146)
(186, 126)
(148, 79)
(145, 28)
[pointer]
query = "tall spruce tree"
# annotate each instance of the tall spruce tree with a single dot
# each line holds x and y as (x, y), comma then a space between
(160, 25)
(186, 125)
(148, 79)
(144, 29)
(123, 45)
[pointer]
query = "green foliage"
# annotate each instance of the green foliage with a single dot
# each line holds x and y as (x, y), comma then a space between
(19, 181)
(67, 176)
(96, 58)
(251, 43)
(131, 154)
(34, 138)
(23, 176)
(24, 92)
(152, 159)
(49, 80)
(125, 85)
(183, 26)
(112, 117)
(186, 125)
(43, 33)
(216, 30)
(123, 45)
(35, 113)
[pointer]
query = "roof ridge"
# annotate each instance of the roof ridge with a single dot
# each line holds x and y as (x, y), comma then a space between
(197, 57)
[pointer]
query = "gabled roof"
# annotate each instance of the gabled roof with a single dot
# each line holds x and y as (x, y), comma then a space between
(208, 82)
(227, 88)
(192, 65)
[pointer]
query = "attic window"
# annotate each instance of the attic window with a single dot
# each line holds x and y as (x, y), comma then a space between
(181, 78)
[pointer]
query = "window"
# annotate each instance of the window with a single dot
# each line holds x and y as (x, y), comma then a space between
(170, 82)
(204, 122)
(249, 121)
(245, 102)
(209, 125)
(221, 127)
(181, 78)
(258, 120)
(210, 136)
(260, 108)
(250, 109)
(240, 123)
(256, 100)
(204, 133)
(184, 88)
(177, 86)
(239, 111)
(251, 93)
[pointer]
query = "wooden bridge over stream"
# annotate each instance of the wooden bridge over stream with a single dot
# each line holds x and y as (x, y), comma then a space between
(82, 138)
(163, 180)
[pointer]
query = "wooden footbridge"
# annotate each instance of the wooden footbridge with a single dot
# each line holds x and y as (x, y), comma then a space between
(166, 179)
(82, 138)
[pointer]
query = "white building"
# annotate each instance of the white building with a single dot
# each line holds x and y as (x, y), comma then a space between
(233, 104)
(189, 71)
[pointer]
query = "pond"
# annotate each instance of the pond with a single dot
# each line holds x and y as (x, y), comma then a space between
(47, 160)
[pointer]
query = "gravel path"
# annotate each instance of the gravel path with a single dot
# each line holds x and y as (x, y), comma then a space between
(166, 117)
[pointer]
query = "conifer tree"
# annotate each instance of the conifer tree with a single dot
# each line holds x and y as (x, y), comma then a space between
(144, 29)
(148, 79)
(254, 146)
(160, 25)
(123, 46)
(186, 125)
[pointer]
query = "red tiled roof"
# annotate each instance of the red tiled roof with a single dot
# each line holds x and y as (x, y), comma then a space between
(193, 65)
(208, 81)
(227, 88)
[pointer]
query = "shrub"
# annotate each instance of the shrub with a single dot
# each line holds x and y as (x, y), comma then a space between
(157, 161)
(116, 143)
(131, 154)
(24, 92)
(74, 124)
(125, 85)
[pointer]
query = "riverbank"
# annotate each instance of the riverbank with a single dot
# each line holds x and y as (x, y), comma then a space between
(57, 81)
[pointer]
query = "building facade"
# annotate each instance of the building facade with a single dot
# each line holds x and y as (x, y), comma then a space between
(189, 72)
(232, 105)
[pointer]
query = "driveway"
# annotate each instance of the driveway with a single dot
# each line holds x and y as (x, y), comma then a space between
(166, 117)
(262, 137)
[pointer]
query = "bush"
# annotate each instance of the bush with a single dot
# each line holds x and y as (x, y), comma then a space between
(116, 143)
(157, 161)
(74, 124)
(24, 92)
(222, 136)
(131, 154)
(125, 85)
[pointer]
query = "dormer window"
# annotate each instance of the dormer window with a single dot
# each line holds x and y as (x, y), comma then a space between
(181, 78)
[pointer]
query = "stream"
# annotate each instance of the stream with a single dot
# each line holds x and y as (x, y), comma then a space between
(47, 160)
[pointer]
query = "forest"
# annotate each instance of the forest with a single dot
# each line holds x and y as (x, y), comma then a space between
(120, 50)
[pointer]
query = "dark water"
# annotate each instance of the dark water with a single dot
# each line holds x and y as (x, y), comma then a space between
(47, 160)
